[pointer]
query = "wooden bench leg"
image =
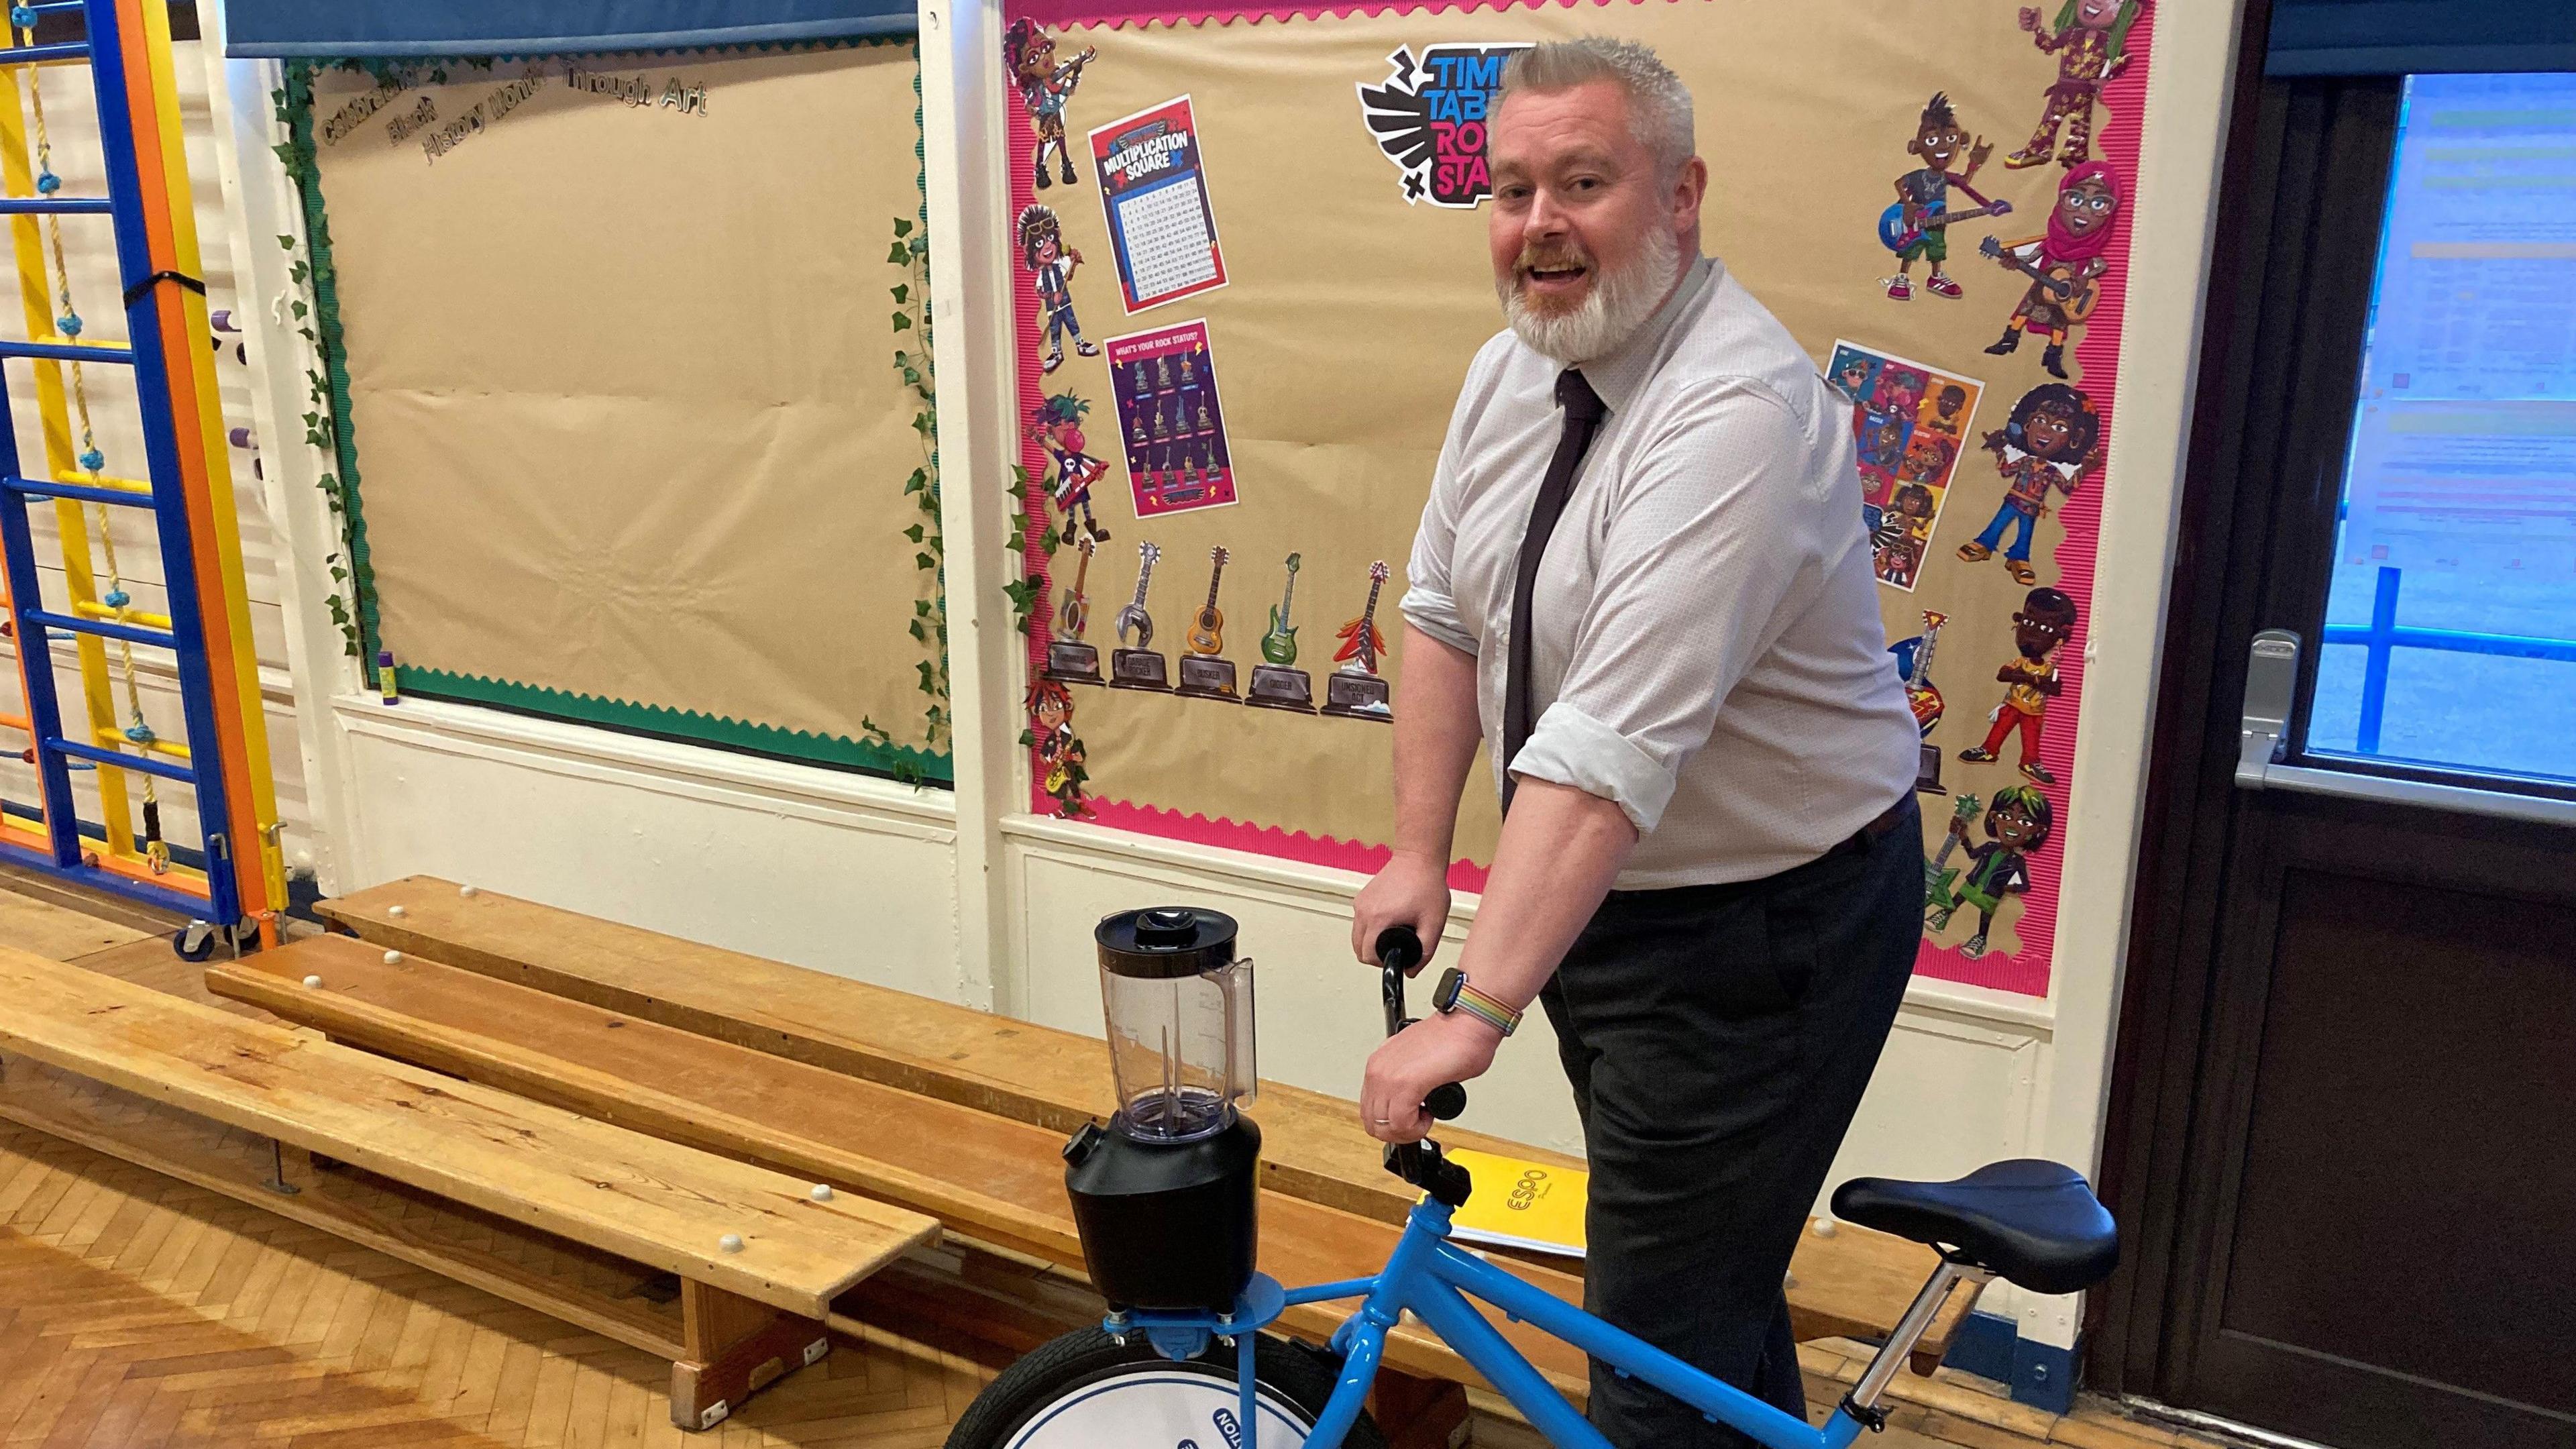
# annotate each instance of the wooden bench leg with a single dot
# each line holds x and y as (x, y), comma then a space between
(1417, 1413)
(736, 1347)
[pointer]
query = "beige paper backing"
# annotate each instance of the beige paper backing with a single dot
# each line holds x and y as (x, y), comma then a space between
(1351, 317)
(621, 384)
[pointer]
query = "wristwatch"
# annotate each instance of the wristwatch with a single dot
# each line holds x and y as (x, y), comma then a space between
(1454, 994)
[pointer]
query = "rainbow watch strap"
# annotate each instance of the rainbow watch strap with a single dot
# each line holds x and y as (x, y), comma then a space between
(1492, 1012)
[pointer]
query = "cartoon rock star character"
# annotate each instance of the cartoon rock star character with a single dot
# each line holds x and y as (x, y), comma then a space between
(2030, 680)
(1882, 440)
(1943, 416)
(1044, 86)
(2049, 443)
(1927, 458)
(2091, 43)
(1056, 425)
(1925, 195)
(1059, 749)
(2065, 263)
(1896, 543)
(1051, 264)
(2018, 825)
(1853, 380)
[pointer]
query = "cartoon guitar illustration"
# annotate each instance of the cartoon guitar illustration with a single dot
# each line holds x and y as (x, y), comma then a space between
(1919, 690)
(1279, 646)
(1072, 608)
(1361, 641)
(1132, 615)
(1896, 236)
(1207, 627)
(1938, 873)
(2071, 294)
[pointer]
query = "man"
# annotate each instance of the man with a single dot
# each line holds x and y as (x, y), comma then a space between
(1638, 583)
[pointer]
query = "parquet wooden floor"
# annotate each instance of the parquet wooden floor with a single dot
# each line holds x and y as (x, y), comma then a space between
(138, 1312)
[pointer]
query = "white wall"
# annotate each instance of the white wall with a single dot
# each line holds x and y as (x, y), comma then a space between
(958, 895)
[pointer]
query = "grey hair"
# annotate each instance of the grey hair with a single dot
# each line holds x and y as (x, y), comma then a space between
(1659, 105)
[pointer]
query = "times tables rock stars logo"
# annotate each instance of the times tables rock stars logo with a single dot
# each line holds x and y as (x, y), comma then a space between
(1430, 118)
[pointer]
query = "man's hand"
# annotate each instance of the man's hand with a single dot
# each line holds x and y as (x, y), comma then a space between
(1433, 1051)
(1411, 890)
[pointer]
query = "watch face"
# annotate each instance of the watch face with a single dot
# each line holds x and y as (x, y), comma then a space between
(1444, 997)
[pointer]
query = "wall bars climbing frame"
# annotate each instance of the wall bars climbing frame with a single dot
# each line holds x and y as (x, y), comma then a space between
(186, 498)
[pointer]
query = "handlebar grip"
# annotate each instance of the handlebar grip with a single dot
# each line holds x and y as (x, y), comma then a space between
(1399, 947)
(1446, 1101)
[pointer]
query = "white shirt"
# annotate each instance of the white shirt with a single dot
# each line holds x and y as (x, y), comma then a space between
(1706, 647)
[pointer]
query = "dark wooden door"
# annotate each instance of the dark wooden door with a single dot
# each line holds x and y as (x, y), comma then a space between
(2343, 1141)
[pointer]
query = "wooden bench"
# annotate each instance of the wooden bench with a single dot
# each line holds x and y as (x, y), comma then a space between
(758, 1258)
(989, 1179)
(1853, 1284)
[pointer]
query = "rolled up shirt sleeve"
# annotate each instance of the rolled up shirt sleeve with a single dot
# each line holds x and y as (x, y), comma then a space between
(1707, 555)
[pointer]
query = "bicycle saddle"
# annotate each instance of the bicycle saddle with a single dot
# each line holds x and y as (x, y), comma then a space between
(2032, 1221)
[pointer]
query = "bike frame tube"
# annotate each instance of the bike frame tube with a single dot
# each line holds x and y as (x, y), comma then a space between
(1434, 1280)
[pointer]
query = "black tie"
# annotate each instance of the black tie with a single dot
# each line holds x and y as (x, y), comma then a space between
(1583, 414)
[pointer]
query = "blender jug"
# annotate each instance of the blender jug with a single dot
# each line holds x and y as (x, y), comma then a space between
(1165, 1197)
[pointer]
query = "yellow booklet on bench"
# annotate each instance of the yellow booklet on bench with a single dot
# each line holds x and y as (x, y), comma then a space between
(1520, 1204)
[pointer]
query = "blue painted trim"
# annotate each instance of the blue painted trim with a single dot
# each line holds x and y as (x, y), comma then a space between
(1983, 1345)
(697, 38)
(2043, 1376)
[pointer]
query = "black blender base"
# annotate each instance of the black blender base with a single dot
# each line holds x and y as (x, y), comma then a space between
(1167, 1226)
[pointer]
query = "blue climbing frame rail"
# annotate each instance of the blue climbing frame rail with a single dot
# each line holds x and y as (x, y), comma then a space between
(115, 53)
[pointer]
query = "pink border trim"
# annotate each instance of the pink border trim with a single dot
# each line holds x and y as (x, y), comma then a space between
(2097, 353)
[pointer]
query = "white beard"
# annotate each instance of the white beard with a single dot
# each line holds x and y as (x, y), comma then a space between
(1619, 304)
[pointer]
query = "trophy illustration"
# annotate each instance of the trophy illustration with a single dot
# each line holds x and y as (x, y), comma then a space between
(1138, 667)
(1068, 658)
(1354, 691)
(1205, 671)
(1275, 685)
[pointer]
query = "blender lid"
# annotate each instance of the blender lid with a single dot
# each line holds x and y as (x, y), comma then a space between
(1165, 941)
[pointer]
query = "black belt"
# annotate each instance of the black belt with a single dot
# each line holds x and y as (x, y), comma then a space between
(1859, 840)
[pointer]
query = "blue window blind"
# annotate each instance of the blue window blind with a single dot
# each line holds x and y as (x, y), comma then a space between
(335, 28)
(2420, 37)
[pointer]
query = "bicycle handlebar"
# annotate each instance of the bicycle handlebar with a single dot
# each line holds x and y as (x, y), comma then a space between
(1400, 951)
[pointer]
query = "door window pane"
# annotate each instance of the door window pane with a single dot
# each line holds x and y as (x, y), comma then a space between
(2450, 633)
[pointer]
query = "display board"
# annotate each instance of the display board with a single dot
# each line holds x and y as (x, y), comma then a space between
(1342, 160)
(625, 439)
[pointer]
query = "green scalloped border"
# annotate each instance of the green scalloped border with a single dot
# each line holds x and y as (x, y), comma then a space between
(659, 721)
(686, 726)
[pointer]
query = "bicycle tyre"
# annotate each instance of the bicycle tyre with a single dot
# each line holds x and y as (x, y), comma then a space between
(1058, 1396)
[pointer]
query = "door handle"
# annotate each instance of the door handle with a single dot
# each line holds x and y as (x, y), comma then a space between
(2263, 742)
(2271, 687)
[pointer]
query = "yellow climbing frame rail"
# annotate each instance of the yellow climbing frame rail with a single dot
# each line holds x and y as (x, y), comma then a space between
(183, 515)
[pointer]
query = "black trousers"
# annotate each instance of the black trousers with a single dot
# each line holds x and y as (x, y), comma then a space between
(1718, 1039)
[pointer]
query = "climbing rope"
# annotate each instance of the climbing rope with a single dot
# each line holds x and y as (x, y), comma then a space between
(92, 461)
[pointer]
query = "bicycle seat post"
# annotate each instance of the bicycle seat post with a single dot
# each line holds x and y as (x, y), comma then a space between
(1862, 1401)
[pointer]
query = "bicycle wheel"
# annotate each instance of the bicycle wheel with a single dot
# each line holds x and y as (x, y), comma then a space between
(1084, 1391)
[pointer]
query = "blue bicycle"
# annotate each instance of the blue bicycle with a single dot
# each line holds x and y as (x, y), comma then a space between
(1179, 1377)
